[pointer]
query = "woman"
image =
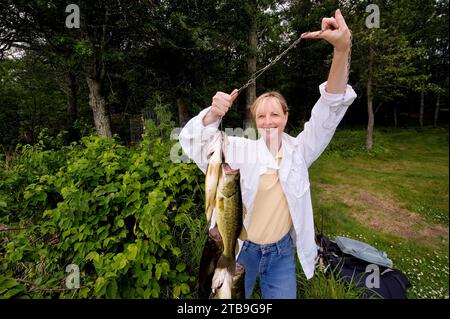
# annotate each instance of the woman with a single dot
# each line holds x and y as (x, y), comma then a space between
(274, 174)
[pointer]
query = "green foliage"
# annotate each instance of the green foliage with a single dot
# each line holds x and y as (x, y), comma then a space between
(351, 143)
(160, 123)
(115, 212)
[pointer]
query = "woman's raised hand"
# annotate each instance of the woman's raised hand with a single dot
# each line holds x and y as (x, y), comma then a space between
(221, 102)
(334, 30)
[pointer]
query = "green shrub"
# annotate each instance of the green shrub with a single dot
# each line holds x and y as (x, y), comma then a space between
(120, 214)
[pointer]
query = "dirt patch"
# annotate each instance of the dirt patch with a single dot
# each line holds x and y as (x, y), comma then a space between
(384, 214)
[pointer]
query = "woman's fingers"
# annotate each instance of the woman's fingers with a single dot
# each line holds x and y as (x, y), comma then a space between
(334, 30)
(234, 94)
(221, 102)
(312, 35)
(340, 18)
(329, 24)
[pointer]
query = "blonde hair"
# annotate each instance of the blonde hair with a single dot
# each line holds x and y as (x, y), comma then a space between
(272, 94)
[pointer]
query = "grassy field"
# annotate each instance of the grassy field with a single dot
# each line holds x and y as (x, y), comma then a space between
(394, 198)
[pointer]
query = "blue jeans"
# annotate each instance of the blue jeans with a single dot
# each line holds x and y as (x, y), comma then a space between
(275, 266)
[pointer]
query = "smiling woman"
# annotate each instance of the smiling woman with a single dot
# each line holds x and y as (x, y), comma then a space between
(271, 114)
(274, 178)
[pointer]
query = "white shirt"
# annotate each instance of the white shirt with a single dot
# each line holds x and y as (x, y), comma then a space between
(252, 158)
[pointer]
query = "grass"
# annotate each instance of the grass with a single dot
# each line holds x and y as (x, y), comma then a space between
(394, 198)
(327, 286)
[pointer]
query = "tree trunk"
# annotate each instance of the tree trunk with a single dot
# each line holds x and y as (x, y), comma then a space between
(183, 116)
(251, 61)
(369, 142)
(72, 108)
(98, 106)
(395, 116)
(422, 98)
(436, 111)
(9, 157)
(96, 73)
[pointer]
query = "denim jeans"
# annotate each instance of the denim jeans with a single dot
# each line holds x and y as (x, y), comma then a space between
(275, 266)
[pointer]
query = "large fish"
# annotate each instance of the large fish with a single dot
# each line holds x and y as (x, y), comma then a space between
(215, 158)
(229, 223)
(222, 193)
(211, 253)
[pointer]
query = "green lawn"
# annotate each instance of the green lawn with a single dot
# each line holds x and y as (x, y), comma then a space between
(394, 198)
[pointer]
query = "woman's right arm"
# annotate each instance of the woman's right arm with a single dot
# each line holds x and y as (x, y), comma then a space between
(200, 130)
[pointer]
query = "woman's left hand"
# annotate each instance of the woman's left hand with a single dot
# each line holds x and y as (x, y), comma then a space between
(334, 30)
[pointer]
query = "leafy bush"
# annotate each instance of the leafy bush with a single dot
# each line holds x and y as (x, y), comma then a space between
(119, 214)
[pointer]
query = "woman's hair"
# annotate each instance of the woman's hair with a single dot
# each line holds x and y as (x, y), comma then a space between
(272, 94)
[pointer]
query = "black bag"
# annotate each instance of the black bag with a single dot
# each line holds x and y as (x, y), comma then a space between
(393, 284)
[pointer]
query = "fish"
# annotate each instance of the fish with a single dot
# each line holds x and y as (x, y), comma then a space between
(218, 267)
(229, 222)
(212, 251)
(215, 155)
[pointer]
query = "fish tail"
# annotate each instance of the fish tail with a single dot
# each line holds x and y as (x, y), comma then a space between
(228, 263)
(222, 284)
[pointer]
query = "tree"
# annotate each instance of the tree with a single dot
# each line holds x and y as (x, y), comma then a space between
(30, 100)
(251, 12)
(107, 29)
(384, 60)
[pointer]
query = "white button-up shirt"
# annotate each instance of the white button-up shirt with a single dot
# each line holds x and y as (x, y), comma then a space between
(252, 158)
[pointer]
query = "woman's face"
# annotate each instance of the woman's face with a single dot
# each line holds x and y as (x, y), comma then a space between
(270, 119)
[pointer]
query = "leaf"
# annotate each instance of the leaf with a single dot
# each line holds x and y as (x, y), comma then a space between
(133, 197)
(8, 283)
(180, 267)
(176, 251)
(100, 286)
(158, 271)
(84, 292)
(111, 290)
(155, 290)
(136, 185)
(14, 291)
(148, 293)
(111, 188)
(120, 223)
(176, 291)
(27, 194)
(185, 288)
(132, 251)
(180, 219)
(121, 261)
(93, 255)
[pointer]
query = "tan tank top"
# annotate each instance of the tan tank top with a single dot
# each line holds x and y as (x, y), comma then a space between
(270, 219)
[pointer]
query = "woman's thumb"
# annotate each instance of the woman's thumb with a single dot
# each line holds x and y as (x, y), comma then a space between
(234, 94)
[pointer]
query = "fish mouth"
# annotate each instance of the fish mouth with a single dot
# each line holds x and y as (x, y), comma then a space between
(228, 170)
